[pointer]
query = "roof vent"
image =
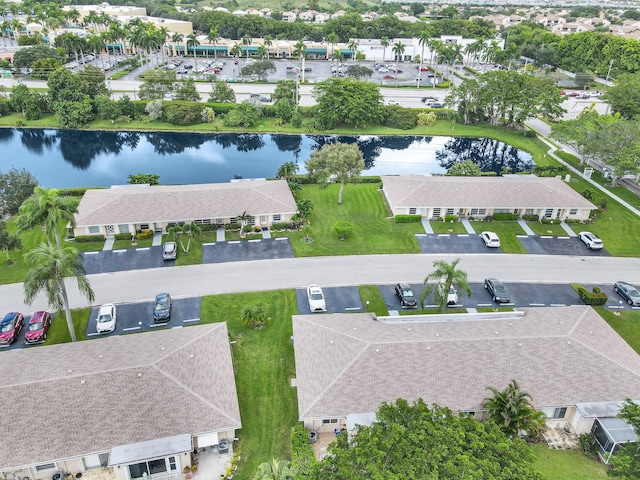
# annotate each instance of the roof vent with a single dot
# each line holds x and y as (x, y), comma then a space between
(139, 374)
(496, 333)
(99, 356)
(191, 356)
(162, 348)
(519, 344)
(377, 349)
(331, 342)
(437, 334)
(69, 371)
(82, 382)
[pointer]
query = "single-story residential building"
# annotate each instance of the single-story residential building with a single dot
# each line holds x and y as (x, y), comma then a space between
(118, 408)
(348, 364)
(478, 197)
(131, 208)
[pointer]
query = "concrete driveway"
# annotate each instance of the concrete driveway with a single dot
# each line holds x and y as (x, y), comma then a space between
(338, 300)
(184, 311)
(460, 243)
(106, 261)
(542, 245)
(244, 250)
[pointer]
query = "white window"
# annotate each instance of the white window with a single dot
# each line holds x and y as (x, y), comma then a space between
(123, 228)
(559, 412)
(219, 221)
(45, 466)
(482, 211)
(500, 210)
(277, 217)
(413, 211)
(94, 229)
(330, 420)
(573, 211)
(206, 221)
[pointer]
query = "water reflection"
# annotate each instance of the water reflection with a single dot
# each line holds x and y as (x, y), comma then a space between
(73, 158)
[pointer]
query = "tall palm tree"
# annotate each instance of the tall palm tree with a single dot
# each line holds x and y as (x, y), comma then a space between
(473, 49)
(286, 171)
(423, 39)
(161, 35)
(268, 43)
(95, 43)
(116, 34)
(48, 210)
(275, 470)
(262, 51)
(242, 219)
(511, 409)
(213, 37)
(398, 51)
(175, 39)
(353, 46)
(49, 267)
(299, 50)
(305, 209)
(384, 41)
(246, 41)
(16, 25)
(192, 41)
(491, 52)
(332, 39)
(444, 276)
(236, 50)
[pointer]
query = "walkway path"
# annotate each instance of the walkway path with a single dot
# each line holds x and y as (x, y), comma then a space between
(525, 227)
(427, 226)
(220, 234)
(157, 239)
(108, 244)
(467, 225)
(568, 229)
(266, 233)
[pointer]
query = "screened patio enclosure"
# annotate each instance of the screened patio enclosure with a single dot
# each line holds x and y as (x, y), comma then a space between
(610, 434)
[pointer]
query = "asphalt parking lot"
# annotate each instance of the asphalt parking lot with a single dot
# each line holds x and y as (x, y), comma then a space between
(245, 250)
(337, 299)
(106, 261)
(542, 245)
(184, 311)
(445, 243)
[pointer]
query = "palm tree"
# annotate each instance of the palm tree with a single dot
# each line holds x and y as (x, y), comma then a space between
(491, 52)
(161, 35)
(48, 210)
(398, 50)
(332, 39)
(246, 41)
(190, 230)
(353, 46)
(95, 43)
(242, 219)
(255, 316)
(384, 41)
(440, 281)
(423, 40)
(268, 43)
(473, 49)
(49, 267)
(305, 209)
(511, 409)
(287, 170)
(262, 51)
(236, 50)
(275, 470)
(213, 37)
(176, 38)
(299, 49)
(176, 232)
(192, 41)
(116, 34)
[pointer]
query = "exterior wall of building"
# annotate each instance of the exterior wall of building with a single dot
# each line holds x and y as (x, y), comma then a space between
(327, 425)
(479, 212)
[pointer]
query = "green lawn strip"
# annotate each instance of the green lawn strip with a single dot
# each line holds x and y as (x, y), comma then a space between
(139, 243)
(495, 309)
(374, 232)
(547, 229)
(565, 464)
(371, 294)
(431, 311)
(507, 232)
(627, 324)
(443, 227)
(264, 363)
(194, 256)
(59, 332)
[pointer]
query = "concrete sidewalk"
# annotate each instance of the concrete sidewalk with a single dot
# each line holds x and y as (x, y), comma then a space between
(525, 227)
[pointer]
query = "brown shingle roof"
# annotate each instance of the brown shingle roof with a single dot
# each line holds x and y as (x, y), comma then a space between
(350, 363)
(509, 191)
(71, 399)
(162, 203)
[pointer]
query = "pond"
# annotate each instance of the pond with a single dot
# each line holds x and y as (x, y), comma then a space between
(74, 158)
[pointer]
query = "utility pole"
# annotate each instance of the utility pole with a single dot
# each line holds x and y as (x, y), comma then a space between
(606, 80)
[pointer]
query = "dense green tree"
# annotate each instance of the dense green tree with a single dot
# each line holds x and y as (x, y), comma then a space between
(15, 187)
(284, 109)
(626, 462)
(338, 162)
(358, 71)
(106, 108)
(49, 265)
(511, 409)
(624, 96)
(186, 90)
(25, 57)
(244, 115)
(466, 168)
(617, 145)
(66, 86)
(144, 179)
(94, 82)
(347, 100)
(8, 241)
(581, 133)
(157, 83)
(19, 97)
(259, 68)
(222, 93)
(74, 114)
(285, 90)
(421, 442)
(444, 276)
(42, 67)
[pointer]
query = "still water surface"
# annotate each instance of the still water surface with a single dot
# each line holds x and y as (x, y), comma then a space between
(72, 158)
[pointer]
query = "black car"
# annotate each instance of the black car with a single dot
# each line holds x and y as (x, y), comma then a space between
(628, 292)
(406, 295)
(497, 290)
(162, 308)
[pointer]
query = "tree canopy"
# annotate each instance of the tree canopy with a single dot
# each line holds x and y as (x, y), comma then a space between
(624, 96)
(466, 168)
(347, 100)
(415, 441)
(15, 187)
(626, 462)
(222, 93)
(444, 276)
(340, 161)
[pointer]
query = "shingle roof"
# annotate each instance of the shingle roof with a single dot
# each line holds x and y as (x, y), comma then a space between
(509, 191)
(162, 203)
(350, 363)
(71, 399)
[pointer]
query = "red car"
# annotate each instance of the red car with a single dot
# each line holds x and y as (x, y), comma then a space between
(423, 69)
(10, 327)
(388, 77)
(38, 327)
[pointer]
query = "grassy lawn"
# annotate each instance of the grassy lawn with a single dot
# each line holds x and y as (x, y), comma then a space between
(59, 333)
(264, 363)
(443, 227)
(194, 257)
(507, 232)
(547, 229)
(140, 243)
(374, 232)
(431, 311)
(627, 325)
(565, 464)
(371, 294)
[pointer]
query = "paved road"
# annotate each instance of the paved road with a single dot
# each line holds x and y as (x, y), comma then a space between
(140, 285)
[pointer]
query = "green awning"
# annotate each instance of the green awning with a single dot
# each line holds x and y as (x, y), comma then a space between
(322, 51)
(251, 49)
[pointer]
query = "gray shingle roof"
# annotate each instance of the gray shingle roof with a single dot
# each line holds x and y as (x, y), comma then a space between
(65, 400)
(162, 203)
(509, 191)
(350, 363)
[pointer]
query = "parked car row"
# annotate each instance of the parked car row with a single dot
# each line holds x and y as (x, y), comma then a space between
(37, 328)
(107, 318)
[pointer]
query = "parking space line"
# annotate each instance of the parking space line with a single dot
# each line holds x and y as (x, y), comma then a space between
(463, 235)
(536, 304)
(557, 305)
(546, 236)
(522, 236)
(153, 325)
(179, 326)
(91, 253)
(131, 328)
(213, 243)
(233, 241)
(510, 304)
(5, 346)
(352, 308)
(430, 306)
(191, 320)
(421, 234)
(255, 240)
(92, 334)
(119, 251)
(484, 305)
(444, 235)
(142, 249)
(282, 238)
(563, 238)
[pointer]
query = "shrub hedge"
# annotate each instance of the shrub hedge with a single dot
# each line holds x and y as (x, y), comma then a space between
(450, 218)
(89, 238)
(408, 218)
(596, 297)
(302, 456)
(505, 217)
(531, 218)
(400, 117)
(123, 236)
(144, 234)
